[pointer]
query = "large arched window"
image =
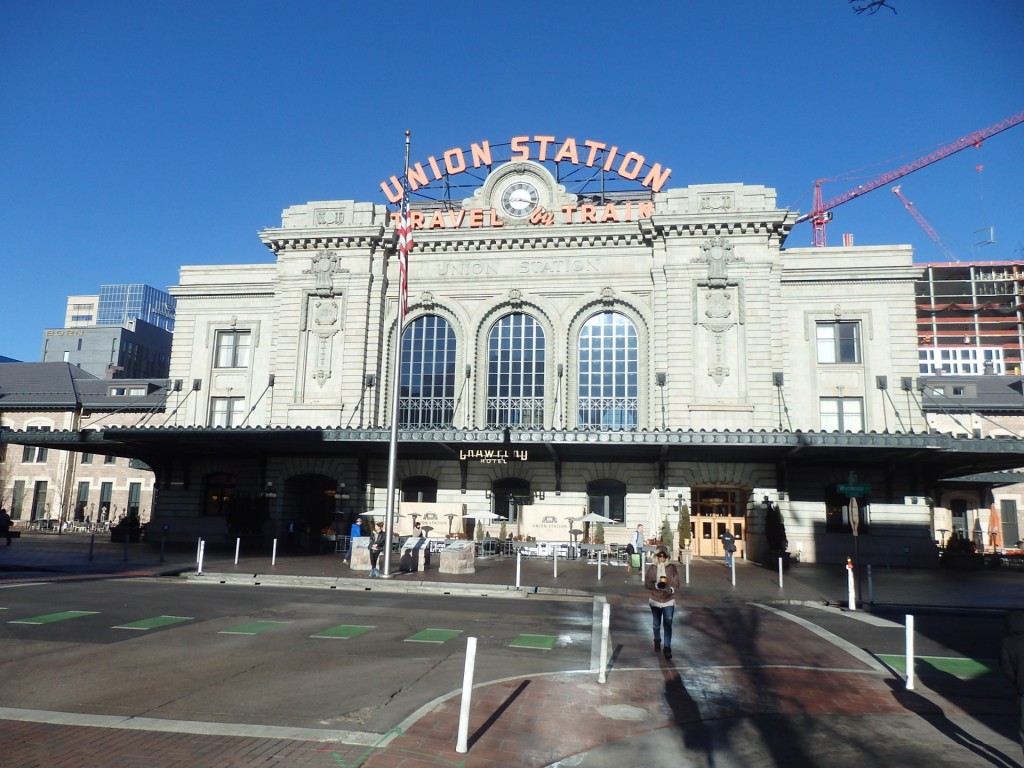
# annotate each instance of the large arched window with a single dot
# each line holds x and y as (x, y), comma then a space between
(419, 489)
(608, 367)
(428, 374)
(608, 498)
(515, 372)
(509, 496)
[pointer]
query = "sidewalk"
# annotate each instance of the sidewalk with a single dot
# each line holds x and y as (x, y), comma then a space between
(773, 693)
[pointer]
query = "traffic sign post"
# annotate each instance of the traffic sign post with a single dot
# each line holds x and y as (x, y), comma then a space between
(852, 489)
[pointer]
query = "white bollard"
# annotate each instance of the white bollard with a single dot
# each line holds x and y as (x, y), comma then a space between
(199, 564)
(462, 746)
(599, 565)
(732, 567)
(849, 586)
(519, 566)
(273, 554)
(602, 675)
(780, 573)
(686, 562)
(871, 586)
(910, 652)
(199, 547)
(238, 546)
(554, 552)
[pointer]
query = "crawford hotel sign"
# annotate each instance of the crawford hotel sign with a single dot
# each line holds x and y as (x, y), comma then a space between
(524, 198)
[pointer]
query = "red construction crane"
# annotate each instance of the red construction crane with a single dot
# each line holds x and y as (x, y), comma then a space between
(923, 222)
(820, 213)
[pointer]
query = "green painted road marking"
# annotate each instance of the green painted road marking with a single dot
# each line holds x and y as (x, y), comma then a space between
(343, 632)
(540, 642)
(50, 618)
(930, 666)
(253, 628)
(434, 636)
(156, 621)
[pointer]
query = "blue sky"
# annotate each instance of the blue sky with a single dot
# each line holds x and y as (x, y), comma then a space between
(136, 137)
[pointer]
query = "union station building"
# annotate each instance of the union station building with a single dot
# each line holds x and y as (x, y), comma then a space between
(581, 336)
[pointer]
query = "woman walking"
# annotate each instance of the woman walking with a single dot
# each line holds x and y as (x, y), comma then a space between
(661, 582)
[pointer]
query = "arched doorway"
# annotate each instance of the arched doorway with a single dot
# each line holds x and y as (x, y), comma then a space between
(309, 508)
(715, 511)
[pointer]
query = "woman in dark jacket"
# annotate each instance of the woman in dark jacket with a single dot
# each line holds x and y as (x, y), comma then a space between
(661, 581)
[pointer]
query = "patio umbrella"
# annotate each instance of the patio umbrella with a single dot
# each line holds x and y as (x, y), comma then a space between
(592, 517)
(995, 531)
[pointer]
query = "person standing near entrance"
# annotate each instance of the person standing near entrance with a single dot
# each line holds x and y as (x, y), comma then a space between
(635, 548)
(377, 541)
(661, 582)
(729, 545)
(354, 533)
(5, 525)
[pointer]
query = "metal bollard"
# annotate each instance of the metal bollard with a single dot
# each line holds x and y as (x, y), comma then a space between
(780, 573)
(238, 546)
(273, 554)
(910, 652)
(519, 566)
(462, 745)
(602, 675)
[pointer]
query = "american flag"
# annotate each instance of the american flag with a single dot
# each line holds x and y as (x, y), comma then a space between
(405, 243)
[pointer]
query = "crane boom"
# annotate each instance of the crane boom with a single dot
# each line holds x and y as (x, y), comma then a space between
(819, 215)
(923, 222)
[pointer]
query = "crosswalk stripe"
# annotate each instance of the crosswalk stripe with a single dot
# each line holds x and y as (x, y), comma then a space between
(343, 632)
(434, 636)
(50, 618)
(153, 623)
(539, 642)
(254, 628)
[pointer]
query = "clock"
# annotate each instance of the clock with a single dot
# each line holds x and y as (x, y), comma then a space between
(519, 199)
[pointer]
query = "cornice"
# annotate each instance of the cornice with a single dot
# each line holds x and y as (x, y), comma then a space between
(278, 240)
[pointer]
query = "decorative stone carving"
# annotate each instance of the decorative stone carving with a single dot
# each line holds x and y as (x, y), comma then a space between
(515, 297)
(719, 201)
(607, 295)
(323, 266)
(717, 253)
(325, 316)
(329, 217)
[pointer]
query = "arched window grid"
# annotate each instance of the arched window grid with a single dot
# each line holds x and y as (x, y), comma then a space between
(608, 365)
(428, 374)
(516, 354)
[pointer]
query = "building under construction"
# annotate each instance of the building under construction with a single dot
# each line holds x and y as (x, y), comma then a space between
(968, 318)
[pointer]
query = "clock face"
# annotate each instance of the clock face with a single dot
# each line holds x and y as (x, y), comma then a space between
(519, 199)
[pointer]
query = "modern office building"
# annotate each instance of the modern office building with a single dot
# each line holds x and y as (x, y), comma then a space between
(617, 345)
(123, 332)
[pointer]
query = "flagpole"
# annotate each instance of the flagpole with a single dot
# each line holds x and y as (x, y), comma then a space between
(396, 385)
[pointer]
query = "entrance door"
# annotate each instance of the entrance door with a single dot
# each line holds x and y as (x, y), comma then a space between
(715, 511)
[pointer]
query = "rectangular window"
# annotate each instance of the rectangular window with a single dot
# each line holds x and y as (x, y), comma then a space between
(18, 499)
(842, 414)
(134, 498)
(33, 455)
(226, 411)
(106, 494)
(81, 501)
(110, 459)
(232, 349)
(838, 342)
(87, 458)
(39, 500)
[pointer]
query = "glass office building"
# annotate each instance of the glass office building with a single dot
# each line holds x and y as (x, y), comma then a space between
(120, 303)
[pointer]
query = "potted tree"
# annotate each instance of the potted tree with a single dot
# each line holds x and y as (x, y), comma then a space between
(775, 533)
(683, 529)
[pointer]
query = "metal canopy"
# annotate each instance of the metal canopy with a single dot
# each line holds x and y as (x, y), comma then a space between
(942, 455)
